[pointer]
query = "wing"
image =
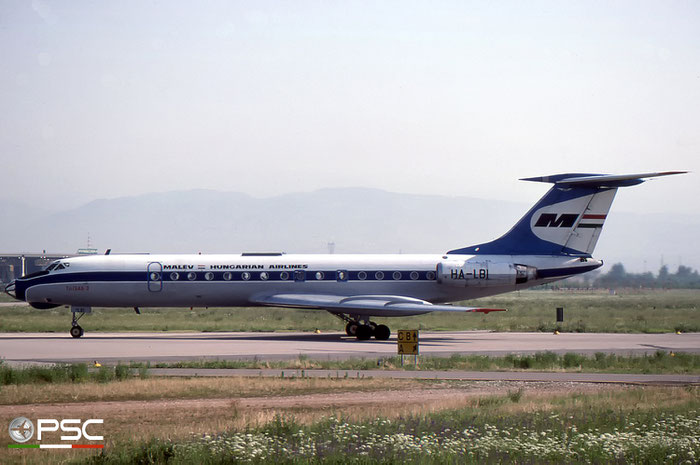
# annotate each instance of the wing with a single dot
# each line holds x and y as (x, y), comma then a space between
(368, 305)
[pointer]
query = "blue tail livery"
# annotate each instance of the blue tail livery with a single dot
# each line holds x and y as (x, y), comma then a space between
(569, 218)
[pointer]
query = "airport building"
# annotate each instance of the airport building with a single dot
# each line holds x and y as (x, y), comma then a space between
(16, 265)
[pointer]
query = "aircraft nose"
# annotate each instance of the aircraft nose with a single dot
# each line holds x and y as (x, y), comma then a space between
(10, 289)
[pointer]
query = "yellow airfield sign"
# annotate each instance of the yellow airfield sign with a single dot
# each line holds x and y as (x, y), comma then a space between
(407, 340)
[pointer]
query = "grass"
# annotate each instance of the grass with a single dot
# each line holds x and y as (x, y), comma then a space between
(15, 379)
(69, 373)
(642, 425)
(658, 363)
(213, 420)
(140, 389)
(629, 311)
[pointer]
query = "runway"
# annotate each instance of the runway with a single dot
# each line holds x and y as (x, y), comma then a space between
(19, 348)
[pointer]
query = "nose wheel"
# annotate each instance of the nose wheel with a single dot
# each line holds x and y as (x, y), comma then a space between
(76, 330)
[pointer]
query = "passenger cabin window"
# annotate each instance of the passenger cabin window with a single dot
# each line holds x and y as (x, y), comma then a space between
(342, 275)
(362, 275)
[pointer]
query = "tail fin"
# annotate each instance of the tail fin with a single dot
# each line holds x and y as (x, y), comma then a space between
(569, 218)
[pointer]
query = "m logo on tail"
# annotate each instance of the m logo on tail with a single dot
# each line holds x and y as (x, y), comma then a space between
(550, 220)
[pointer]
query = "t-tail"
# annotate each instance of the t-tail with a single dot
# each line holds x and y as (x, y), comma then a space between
(569, 218)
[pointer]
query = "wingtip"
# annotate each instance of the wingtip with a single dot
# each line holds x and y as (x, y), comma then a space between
(668, 173)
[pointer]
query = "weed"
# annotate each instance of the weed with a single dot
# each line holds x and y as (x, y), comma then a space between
(573, 360)
(515, 396)
(121, 372)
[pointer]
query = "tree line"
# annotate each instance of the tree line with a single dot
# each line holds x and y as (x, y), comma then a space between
(684, 278)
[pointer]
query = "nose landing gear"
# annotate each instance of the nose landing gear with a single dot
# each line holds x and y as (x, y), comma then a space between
(76, 331)
(78, 312)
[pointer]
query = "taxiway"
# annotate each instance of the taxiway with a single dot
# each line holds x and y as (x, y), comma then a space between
(18, 348)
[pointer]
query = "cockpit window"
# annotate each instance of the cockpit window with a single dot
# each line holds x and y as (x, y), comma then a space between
(57, 265)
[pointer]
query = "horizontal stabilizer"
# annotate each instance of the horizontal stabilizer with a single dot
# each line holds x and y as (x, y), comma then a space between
(600, 180)
(373, 305)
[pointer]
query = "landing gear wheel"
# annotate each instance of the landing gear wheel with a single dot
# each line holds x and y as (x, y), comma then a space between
(76, 331)
(351, 328)
(364, 332)
(382, 333)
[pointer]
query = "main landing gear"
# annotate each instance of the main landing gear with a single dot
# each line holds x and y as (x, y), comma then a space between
(363, 330)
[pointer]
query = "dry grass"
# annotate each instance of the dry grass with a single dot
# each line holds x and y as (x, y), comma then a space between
(186, 388)
(620, 399)
(240, 403)
(176, 408)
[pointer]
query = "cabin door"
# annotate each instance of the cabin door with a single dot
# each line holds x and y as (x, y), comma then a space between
(155, 277)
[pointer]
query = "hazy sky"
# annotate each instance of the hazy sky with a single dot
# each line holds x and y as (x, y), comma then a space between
(106, 99)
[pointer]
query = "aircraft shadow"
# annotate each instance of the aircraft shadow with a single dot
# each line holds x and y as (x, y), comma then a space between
(279, 337)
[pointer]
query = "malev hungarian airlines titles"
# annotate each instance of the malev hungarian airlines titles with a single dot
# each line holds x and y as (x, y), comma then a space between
(554, 240)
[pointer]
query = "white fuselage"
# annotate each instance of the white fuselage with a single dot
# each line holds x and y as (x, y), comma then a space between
(238, 279)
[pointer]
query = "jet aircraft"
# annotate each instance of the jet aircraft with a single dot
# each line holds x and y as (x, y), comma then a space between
(554, 240)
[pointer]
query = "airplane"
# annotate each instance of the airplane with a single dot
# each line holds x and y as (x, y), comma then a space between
(24, 431)
(554, 240)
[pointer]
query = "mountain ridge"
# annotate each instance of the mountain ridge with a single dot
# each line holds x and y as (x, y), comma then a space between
(356, 220)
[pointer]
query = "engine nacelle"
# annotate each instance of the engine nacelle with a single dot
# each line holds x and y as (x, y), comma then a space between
(481, 274)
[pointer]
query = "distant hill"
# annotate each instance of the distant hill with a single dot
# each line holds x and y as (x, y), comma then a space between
(357, 220)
